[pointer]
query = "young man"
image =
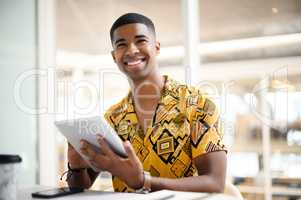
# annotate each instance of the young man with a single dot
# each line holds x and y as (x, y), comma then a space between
(170, 130)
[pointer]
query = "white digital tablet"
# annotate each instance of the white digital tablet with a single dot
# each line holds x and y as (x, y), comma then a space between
(87, 129)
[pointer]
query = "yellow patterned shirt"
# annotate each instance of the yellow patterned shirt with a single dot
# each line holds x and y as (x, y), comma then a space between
(183, 127)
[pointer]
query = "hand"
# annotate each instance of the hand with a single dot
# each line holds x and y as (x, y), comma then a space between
(130, 169)
(74, 159)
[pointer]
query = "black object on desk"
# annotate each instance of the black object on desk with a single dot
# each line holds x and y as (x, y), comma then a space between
(57, 192)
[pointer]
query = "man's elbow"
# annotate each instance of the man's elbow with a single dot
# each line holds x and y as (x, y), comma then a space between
(220, 188)
(217, 186)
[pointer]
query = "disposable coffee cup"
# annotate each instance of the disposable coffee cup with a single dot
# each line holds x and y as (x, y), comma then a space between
(8, 176)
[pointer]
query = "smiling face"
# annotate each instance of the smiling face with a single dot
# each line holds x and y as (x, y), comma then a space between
(134, 50)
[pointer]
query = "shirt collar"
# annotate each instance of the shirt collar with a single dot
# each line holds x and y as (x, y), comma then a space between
(166, 89)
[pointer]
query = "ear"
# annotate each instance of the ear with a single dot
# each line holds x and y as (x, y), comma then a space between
(158, 47)
(113, 55)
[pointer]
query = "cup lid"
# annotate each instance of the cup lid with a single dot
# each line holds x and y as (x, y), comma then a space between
(6, 158)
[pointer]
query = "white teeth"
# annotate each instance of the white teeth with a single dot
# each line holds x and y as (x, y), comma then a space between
(134, 62)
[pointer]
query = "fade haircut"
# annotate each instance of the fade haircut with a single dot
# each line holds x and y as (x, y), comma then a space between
(131, 18)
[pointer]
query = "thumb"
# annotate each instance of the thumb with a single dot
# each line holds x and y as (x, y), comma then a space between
(129, 150)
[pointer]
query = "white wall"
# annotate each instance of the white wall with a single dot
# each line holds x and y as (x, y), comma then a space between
(18, 130)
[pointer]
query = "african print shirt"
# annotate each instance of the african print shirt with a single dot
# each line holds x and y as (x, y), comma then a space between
(183, 127)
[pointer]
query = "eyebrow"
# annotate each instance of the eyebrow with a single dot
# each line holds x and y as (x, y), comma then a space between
(136, 37)
(140, 36)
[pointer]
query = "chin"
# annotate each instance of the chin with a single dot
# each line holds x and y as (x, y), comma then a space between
(140, 72)
(137, 76)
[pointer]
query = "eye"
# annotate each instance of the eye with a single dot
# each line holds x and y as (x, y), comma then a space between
(141, 41)
(120, 45)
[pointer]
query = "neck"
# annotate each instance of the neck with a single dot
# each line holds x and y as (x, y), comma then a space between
(149, 87)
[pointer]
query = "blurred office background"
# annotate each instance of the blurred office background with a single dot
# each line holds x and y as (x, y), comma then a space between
(55, 64)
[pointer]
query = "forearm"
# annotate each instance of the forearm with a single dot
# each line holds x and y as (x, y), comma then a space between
(203, 183)
(82, 179)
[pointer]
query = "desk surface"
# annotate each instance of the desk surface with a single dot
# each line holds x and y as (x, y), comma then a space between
(25, 194)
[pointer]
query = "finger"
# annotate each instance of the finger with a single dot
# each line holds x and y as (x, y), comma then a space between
(130, 151)
(101, 162)
(97, 166)
(70, 146)
(84, 144)
(84, 151)
(84, 147)
(96, 159)
(104, 147)
(87, 150)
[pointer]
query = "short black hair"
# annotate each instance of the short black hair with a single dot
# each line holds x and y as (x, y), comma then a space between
(131, 18)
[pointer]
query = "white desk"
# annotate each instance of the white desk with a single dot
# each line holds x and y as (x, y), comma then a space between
(25, 194)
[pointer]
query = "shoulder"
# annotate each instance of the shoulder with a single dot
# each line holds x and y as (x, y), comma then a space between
(198, 104)
(203, 107)
(181, 91)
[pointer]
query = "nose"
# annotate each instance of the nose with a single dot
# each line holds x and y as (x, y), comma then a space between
(132, 49)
